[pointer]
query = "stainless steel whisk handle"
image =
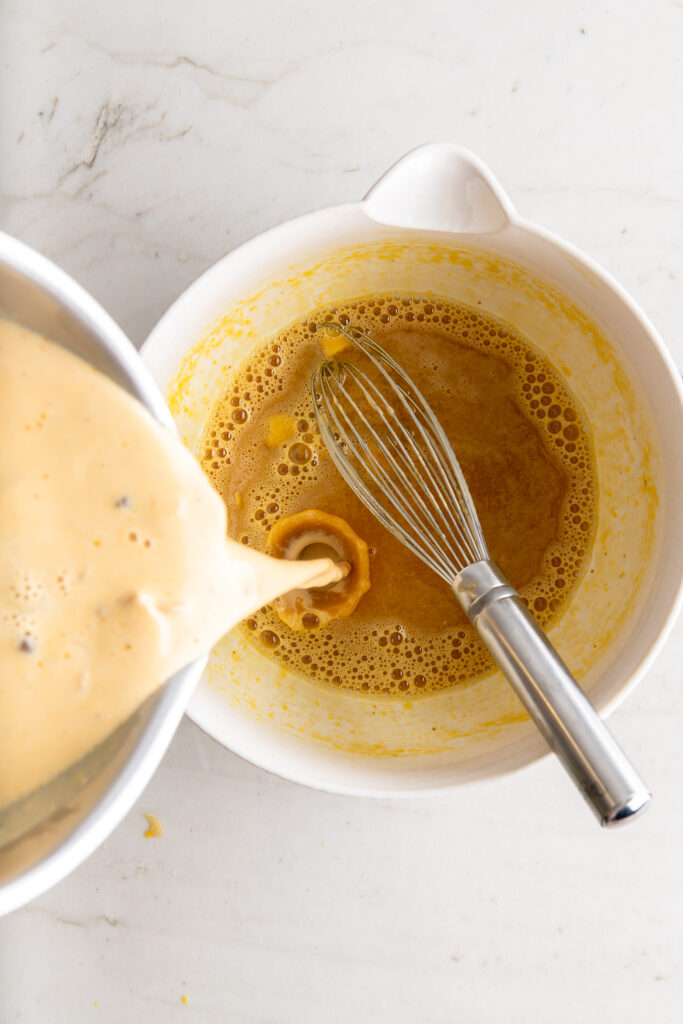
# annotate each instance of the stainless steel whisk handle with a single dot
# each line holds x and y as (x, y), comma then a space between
(551, 695)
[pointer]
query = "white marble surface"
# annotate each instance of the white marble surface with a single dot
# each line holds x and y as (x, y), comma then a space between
(139, 142)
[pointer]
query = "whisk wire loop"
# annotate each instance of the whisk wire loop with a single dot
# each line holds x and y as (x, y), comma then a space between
(420, 412)
(399, 443)
(356, 446)
(383, 437)
(431, 431)
(404, 470)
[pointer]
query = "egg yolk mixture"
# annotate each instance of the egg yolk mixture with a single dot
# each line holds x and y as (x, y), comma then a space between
(524, 446)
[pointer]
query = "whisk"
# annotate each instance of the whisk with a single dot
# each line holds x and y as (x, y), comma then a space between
(387, 444)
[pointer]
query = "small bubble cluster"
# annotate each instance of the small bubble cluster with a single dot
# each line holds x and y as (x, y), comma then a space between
(27, 593)
(263, 454)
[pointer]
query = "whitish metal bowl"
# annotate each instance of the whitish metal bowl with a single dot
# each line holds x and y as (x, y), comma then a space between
(48, 833)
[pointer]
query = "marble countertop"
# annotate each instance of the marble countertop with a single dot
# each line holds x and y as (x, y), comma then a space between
(142, 140)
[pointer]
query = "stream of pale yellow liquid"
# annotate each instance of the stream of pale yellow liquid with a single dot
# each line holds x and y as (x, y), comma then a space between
(115, 566)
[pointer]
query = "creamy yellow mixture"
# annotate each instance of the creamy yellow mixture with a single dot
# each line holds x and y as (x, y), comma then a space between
(115, 567)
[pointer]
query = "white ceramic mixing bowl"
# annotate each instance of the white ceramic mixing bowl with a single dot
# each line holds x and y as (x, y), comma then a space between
(439, 223)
